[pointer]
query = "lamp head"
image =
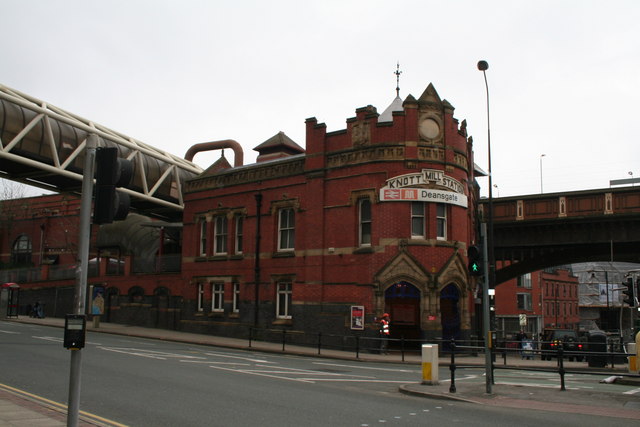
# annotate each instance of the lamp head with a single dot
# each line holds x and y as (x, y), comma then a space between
(483, 65)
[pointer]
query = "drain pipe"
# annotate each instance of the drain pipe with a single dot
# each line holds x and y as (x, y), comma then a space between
(258, 197)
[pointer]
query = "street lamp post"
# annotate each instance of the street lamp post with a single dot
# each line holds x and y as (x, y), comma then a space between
(541, 156)
(489, 279)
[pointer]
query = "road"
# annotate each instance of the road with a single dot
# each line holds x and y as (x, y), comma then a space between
(141, 382)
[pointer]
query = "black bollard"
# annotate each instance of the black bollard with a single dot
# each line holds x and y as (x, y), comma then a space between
(452, 367)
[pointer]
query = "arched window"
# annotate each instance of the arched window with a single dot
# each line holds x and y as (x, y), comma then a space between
(21, 251)
(136, 294)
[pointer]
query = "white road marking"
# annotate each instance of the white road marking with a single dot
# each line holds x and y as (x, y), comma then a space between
(366, 367)
(633, 391)
(9, 332)
(467, 377)
(212, 362)
(239, 357)
(54, 339)
(159, 355)
(58, 339)
(241, 371)
(536, 385)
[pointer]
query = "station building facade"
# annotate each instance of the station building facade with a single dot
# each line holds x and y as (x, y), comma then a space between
(375, 218)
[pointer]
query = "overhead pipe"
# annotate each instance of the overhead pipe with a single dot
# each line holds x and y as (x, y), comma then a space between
(215, 145)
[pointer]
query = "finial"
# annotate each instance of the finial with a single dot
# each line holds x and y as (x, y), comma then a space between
(397, 73)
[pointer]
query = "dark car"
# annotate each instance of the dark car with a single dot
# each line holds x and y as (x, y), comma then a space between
(571, 346)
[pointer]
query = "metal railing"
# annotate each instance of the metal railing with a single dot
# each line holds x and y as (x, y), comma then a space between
(359, 344)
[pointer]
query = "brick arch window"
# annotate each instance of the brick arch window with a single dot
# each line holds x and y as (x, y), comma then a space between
(363, 201)
(21, 250)
(136, 294)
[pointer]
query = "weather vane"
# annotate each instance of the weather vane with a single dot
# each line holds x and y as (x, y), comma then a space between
(397, 73)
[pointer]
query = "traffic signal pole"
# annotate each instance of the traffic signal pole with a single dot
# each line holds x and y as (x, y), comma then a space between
(486, 309)
(81, 275)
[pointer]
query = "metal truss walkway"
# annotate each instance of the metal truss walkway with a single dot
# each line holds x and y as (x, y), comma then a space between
(43, 146)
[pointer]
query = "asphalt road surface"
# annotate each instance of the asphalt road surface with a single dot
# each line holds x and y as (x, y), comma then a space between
(141, 382)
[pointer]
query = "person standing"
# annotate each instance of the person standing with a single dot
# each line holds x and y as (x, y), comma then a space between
(384, 333)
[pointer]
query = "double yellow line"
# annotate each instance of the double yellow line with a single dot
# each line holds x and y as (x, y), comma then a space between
(88, 417)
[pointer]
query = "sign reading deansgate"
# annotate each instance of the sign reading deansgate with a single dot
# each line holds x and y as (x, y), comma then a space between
(399, 189)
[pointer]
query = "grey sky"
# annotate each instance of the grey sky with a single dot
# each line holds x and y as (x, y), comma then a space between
(563, 77)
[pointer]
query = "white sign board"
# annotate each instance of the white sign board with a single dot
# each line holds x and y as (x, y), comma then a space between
(403, 188)
(422, 195)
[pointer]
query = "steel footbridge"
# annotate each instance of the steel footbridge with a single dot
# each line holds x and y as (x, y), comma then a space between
(43, 146)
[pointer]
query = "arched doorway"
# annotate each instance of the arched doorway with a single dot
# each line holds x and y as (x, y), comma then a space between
(402, 302)
(450, 312)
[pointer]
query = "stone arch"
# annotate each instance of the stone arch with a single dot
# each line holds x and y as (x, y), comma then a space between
(404, 268)
(455, 273)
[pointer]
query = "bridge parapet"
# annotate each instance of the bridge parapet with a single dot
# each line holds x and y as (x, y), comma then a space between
(577, 204)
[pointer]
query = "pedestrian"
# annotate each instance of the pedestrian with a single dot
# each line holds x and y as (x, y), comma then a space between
(384, 333)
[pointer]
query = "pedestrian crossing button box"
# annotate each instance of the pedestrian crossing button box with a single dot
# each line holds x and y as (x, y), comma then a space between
(75, 329)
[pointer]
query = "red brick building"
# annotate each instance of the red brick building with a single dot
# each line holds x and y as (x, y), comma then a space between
(373, 218)
(378, 215)
(546, 298)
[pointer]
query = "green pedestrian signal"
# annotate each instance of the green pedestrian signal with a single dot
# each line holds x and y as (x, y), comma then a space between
(475, 268)
(474, 253)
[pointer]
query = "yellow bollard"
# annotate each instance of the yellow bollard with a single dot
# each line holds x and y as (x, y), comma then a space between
(430, 364)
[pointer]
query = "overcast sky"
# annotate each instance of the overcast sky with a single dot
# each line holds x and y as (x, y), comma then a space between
(564, 76)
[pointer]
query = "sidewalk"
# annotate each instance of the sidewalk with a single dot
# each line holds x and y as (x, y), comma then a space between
(570, 401)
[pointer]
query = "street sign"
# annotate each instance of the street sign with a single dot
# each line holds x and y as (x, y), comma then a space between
(523, 320)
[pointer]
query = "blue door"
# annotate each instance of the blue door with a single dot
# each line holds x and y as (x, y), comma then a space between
(450, 312)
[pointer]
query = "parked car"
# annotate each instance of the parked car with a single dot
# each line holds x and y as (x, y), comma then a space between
(551, 338)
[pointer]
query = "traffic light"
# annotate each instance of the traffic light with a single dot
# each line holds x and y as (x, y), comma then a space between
(474, 253)
(628, 292)
(111, 172)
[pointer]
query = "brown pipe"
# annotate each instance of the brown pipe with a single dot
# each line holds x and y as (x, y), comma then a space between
(215, 145)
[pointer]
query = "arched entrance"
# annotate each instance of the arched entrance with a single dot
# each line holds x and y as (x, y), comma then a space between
(450, 312)
(402, 302)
